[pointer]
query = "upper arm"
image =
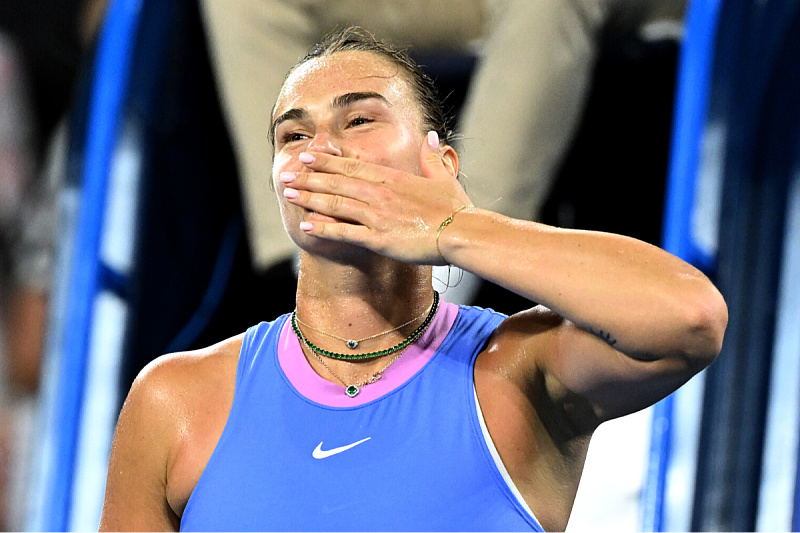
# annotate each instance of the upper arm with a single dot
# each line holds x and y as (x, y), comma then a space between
(576, 377)
(613, 384)
(135, 497)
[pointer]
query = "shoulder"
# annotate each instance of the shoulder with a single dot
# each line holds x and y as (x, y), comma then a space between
(170, 420)
(530, 349)
(538, 319)
(184, 394)
(532, 329)
(170, 391)
(174, 411)
(516, 352)
(524, 410)
(525, 355)
(171, 386)
(181, 372)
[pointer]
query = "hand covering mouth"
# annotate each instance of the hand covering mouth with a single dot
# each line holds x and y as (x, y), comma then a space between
(319, 217)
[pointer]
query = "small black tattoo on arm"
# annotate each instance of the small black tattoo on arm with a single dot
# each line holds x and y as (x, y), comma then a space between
(605, 335)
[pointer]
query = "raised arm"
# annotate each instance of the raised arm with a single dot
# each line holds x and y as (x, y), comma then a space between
(632, 322)
(638, 322)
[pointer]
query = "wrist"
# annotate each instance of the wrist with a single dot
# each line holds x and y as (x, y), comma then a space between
(446, 222)
(449, 234)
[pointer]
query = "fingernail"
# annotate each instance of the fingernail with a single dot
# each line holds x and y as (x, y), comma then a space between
(291, 193)
(433, 140)
(287, 177)
(305, 226)
(305, 157)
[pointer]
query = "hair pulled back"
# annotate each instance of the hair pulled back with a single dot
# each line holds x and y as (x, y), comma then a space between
(356, 39)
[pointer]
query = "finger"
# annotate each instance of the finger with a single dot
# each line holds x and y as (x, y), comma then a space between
(336, 231)
(333, 205)
(433, 162)
(324, 182)
(354, 168)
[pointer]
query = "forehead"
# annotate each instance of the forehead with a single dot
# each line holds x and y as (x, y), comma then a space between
(320, 80)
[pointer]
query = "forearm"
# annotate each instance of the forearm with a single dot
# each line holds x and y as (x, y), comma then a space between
(640, 299)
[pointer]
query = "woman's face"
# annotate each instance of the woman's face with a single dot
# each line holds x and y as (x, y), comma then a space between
(351, 104)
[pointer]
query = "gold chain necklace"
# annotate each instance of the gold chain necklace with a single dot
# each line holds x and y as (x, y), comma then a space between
(411, 339)
(353, 343)
(352, 390)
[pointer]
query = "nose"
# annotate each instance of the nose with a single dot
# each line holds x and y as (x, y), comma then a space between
(324, 142)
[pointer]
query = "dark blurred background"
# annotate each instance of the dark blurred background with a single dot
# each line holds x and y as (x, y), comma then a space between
(193, 284)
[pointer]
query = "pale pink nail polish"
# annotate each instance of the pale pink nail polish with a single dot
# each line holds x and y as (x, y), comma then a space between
(305, 226)
(287, 177)
(291, 193)
(305, 157)
(433, 140)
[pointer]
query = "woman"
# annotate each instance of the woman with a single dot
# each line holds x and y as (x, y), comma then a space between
(374, 405)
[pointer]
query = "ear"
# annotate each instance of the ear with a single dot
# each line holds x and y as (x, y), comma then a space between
(435, 155)
(450, 159)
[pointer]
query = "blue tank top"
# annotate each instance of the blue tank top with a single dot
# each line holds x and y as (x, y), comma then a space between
(413, 459)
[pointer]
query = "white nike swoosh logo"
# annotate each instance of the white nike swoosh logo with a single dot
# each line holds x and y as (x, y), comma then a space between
(319, 453)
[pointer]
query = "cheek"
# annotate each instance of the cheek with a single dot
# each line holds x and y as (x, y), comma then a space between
(283, 163)
(397, 149)
(280, 163)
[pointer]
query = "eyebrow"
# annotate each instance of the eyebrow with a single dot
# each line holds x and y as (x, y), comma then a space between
(349, 99)
(292, 114)
(341, 101)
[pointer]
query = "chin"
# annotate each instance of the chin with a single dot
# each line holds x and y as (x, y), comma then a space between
(335, 251)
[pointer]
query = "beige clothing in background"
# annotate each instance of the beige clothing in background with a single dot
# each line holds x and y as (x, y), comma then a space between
(253, 45)
(524, 104)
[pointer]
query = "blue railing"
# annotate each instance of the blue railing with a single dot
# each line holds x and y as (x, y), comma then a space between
(111, 69)
(694, 81)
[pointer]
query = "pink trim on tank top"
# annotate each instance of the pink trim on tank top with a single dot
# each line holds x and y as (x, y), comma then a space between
(308, 383)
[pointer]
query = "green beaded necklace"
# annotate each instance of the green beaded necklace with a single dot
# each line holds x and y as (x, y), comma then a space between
(416, 334)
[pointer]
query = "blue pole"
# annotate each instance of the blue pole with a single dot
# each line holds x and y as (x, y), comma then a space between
(694, 82)
(113, 58)
(691, 103)
(796, 510)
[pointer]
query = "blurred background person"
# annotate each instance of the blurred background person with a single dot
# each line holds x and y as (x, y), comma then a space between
(41, 49)
(17, 166)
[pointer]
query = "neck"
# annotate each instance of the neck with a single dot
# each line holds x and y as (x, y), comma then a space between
(359, 299)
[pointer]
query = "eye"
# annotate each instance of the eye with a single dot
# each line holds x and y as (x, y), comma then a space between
(292, 136)
(359, 121)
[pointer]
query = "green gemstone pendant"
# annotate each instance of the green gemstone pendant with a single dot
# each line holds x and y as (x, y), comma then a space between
(352, 343)
(352, 391)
